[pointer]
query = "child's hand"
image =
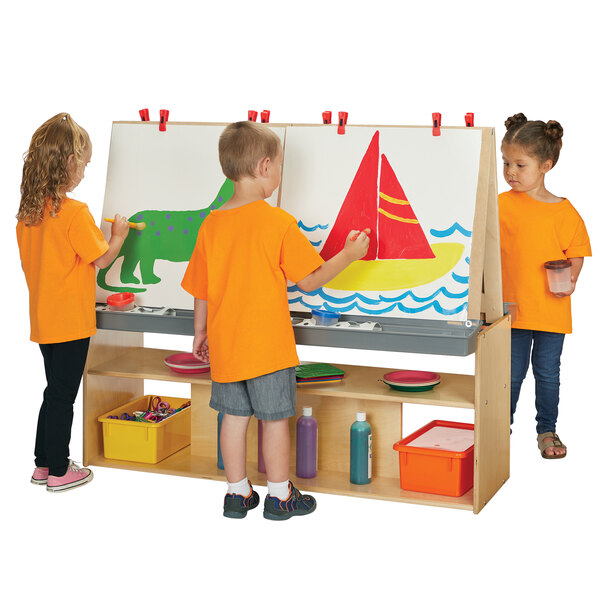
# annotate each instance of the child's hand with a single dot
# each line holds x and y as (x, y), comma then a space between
(120, 227)
(357, 248)
(200, 347)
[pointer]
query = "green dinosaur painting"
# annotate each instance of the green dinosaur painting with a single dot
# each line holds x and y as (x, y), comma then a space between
(169, 235)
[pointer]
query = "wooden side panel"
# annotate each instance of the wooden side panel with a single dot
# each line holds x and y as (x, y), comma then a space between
(492, 411)
(100, 393)
(479, 227)
(492, 270)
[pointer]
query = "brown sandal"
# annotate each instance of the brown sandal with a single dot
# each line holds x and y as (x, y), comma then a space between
(555, 443)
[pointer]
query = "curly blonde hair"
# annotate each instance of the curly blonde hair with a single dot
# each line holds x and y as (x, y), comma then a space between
(45, 172)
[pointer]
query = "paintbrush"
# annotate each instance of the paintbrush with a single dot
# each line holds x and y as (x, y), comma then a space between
(138, 226)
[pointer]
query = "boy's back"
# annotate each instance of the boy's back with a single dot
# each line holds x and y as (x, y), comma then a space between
(242, 259)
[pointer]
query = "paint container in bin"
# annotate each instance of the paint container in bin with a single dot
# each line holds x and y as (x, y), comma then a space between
(438, 459)
(124, 301)
(325, 317)
(559, 275)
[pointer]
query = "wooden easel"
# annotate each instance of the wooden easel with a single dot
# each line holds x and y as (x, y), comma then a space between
(119, 363)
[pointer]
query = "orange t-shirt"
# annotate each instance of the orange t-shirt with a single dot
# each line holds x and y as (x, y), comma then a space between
(242, 259)
(58, 260)
(531, 233)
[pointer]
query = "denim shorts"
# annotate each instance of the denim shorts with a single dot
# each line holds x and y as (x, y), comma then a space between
(268, 397)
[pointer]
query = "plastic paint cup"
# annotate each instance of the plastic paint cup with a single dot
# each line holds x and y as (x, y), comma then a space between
(124, 301)
(559, 275)
(325, 317)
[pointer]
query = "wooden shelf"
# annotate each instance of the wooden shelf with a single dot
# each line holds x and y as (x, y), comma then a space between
(184, 463)
(144, 363)
(118, 365)
(454, 390)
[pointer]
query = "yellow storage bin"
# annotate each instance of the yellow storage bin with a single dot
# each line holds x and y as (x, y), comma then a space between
(145, 442)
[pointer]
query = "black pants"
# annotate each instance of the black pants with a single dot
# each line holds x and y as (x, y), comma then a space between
(64, 364)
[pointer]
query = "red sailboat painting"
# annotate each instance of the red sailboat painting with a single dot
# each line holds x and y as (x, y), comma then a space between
(399, 256)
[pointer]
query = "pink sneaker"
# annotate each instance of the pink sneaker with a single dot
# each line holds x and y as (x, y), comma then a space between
(74, 477)
(40, 476)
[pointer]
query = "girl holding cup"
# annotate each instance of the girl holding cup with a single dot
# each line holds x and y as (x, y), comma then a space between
(537, 227)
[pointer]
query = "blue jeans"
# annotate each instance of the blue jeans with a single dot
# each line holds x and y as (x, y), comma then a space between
(545, 360)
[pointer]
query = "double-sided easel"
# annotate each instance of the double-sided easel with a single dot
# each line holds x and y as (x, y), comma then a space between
(118, 364)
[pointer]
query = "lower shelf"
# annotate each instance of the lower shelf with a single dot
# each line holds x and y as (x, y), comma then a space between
(186, 464)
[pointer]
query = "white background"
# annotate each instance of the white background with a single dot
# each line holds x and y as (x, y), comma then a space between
(384, 62)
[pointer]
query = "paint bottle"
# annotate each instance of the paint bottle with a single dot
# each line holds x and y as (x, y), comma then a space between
(219, 455)
(361, 444)
(306, 444)
(261, 460)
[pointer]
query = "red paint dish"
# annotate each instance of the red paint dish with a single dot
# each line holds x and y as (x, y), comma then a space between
(124, 301)
(407, 378)
(186, 363)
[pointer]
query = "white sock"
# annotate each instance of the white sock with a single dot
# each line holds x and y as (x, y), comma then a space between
(281, 490)
(241, 487)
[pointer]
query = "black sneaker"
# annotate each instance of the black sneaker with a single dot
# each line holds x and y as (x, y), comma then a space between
(237, 506)
(296, 504)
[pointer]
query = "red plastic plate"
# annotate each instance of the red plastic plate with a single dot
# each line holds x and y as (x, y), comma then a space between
(186, 362)
(411, 377)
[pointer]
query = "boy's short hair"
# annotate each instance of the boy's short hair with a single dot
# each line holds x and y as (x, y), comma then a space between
(243, 145)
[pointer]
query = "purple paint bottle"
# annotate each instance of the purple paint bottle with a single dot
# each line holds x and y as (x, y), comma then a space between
(306, 444)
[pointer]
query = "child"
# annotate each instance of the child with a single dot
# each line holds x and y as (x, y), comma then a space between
(536, 226)
(245, 252)
(59, 245)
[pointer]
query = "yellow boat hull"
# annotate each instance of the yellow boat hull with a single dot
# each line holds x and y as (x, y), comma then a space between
(398, 274)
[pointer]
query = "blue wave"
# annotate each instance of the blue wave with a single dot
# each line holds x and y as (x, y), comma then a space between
(356, 296)
(446, 232)
(305, 228)
(460, 278)
(442, 290)
(369, 311)
(315, 244)
(327, 297)
(334, 301)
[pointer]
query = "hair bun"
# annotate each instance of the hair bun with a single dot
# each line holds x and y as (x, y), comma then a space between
(515, 120)
(554, 130)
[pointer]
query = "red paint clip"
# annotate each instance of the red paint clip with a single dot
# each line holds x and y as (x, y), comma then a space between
(437, 123)
(145, 114)
(470, 119)
(252, 114)
(342, 124)
(327, 117)
(264, 116)
(164, 117)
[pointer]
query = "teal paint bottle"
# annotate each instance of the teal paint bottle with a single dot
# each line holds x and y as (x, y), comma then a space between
(361, 445)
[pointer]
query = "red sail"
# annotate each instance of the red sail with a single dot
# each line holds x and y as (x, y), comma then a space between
(359, 209)
(400, 235)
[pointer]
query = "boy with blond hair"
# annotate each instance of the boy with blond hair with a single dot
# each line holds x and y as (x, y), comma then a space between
(245, 253)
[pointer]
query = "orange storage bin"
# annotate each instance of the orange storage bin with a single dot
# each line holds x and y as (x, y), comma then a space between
(437, 459)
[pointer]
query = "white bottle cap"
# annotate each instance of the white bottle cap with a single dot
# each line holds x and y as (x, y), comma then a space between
(307, 411)
(361, 416)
